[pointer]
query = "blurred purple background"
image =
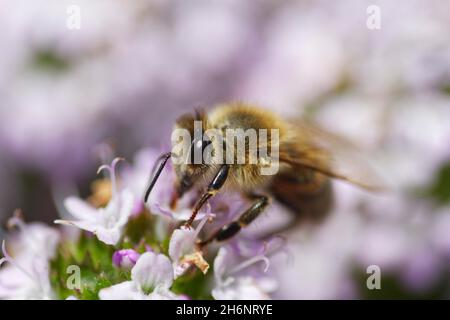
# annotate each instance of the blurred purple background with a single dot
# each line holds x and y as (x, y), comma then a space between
(133, 66)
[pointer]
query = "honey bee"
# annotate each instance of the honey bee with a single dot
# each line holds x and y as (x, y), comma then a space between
(307, 157)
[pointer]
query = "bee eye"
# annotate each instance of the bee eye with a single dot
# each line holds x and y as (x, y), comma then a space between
(198, 147)
(205, 143)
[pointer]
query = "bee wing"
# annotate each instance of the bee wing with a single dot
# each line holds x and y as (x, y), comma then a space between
(332, 155)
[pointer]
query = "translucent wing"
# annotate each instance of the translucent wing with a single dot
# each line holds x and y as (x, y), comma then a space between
(308, 146)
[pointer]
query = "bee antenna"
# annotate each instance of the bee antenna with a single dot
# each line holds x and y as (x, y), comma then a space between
(158, 167)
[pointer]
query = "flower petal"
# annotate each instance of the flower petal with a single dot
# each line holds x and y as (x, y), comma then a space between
(126, 206)
(109, 236)
(181, 243)
(185, 214)
(80, 209)
(243, 288)
(178, 214)
(152, 271)
(157, 209)
(163, 294)
(122, 291)
(223, 261)
(84, 225)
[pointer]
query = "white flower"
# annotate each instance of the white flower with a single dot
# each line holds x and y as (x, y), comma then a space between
(26, 276)
(233, 284)
(182, 249)
(151, 279)
(33, 239)
(160, 199)
(106, 223)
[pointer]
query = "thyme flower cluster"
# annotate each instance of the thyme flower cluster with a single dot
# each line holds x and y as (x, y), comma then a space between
(117, 247)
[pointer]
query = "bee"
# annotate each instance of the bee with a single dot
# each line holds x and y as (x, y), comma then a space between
(307, 159)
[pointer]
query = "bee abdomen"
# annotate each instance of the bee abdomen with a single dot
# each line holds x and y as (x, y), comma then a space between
(307, 194)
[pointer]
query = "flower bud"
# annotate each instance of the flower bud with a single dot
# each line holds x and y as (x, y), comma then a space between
(125, 258)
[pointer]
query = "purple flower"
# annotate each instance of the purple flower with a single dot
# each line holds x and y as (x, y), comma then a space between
(125, 258)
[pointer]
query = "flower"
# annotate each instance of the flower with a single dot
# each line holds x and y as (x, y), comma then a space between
(160, 202)
(106, 223)
(125, 258)
(236, 277)
(34, 238)
(27, 274)
(25, 279)
(182, 249)
(160, 199)
(151, 279)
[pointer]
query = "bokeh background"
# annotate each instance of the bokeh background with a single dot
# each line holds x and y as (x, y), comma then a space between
(70, 96)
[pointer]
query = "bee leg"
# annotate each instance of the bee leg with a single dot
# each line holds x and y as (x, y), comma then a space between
(214, 187)
(232, 228)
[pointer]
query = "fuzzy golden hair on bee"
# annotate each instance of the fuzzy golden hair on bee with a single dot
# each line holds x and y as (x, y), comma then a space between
(187, 120)
(245, 116)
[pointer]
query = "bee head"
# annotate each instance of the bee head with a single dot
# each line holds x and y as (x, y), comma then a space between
(191, 151)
